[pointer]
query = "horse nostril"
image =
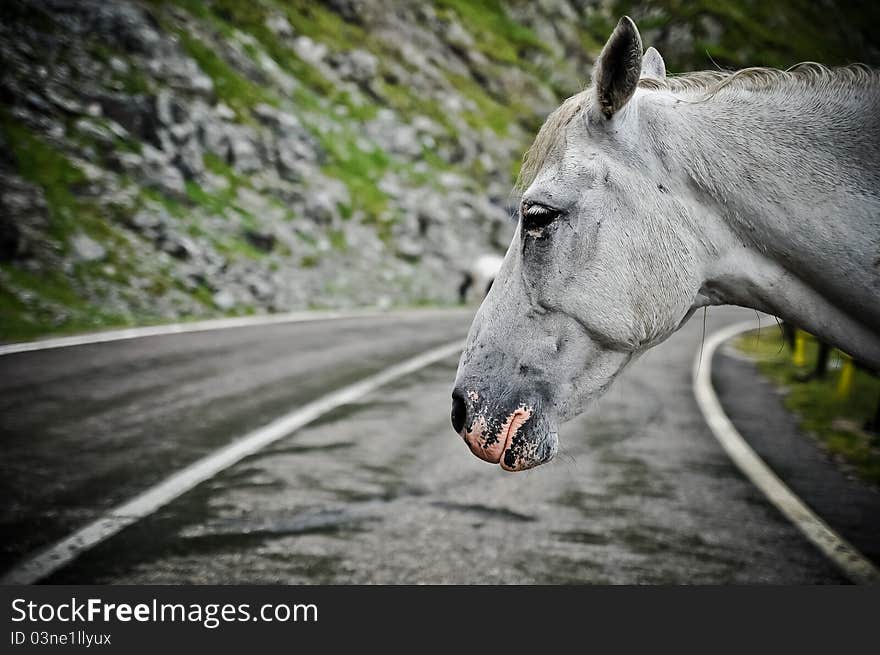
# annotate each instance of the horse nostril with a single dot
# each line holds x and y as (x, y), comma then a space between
(459, 411)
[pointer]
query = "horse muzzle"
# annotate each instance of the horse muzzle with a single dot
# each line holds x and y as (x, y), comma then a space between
(517, 436)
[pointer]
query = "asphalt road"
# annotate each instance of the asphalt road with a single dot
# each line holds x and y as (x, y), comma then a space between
(381, 491)
(756, 407)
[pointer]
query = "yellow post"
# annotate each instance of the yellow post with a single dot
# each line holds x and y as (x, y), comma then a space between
(844, 383)
(799, 356)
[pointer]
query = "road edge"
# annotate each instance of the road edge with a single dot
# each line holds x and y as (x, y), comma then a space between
(124, 334)
(844, 555)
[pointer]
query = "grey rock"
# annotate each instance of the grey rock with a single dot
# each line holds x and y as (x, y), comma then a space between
(214, 139)
(351, 10)
(356, 65)
(165, 110)
(24, 219)
(179, 246)
(321, 207)
(134, 113)
(87, 249)
(190, 161)
(128, 161)
(199, 113)
(280, 121)
(172, 67)
(118, 131)
(224, 111)
(94, 130)
(37, 102)
(322, 202)
(214, 183)
(294, 157)
(458, 37)
(64, 102)
(310, 50)
(224, 300)
(92, 173)
(251, 202)
(264, 241)
(284, 201)
(259, 287)
(124, 23)
(200, 83)
(166, 143)
(195, 279)
(410, 248)
(279, 25)
(182, 132)
(119, 65)
(275, 74)
(394, 134)
(146, 220)
(243, 149)
(158, 172)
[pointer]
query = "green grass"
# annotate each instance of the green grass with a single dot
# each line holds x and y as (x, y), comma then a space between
(227, 16)
(405, 102)
(213, 202)
(133, 81)
(323, 24)
(44, 165)
(361, 172)
(497, 35)
(490, 112)
(240, 93)
(51, 305)
(835, 420)
(52, 300)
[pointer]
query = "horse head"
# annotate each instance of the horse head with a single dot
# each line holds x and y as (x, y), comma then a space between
(601, 267)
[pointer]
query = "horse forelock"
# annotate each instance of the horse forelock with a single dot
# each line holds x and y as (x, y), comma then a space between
(803, 77)
(549, 137)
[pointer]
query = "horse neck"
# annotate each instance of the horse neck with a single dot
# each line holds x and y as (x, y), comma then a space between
(793, 176)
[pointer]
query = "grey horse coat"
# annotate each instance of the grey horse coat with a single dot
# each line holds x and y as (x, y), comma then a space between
(648, 197)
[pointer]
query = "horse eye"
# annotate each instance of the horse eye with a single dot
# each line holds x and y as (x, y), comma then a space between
(536, 217)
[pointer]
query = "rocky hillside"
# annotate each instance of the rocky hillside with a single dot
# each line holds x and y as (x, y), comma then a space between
(167, 159)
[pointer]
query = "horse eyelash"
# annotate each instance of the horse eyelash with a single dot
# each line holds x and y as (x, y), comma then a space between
(540, 213)
(538, 210)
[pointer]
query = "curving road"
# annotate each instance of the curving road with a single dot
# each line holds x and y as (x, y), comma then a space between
(380, 491)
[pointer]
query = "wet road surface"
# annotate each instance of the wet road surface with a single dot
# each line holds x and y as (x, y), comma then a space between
(87, 427)
(847, 503)
(380, 491)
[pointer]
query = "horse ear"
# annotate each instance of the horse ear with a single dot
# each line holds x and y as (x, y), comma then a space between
(653, 65)
(618, 67)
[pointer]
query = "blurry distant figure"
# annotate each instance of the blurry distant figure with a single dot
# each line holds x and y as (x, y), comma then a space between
(479, 277)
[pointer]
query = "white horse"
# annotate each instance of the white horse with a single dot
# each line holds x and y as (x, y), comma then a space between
(648, 197)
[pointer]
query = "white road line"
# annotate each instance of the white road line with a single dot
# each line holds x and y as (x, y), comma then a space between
(855, 565)
(52, 558)
(203, 326)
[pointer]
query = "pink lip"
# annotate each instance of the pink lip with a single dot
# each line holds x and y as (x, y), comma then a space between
(514, 423)
(494, 452)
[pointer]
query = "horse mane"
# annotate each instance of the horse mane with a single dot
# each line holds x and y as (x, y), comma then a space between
(804, 76)
(807, 74)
